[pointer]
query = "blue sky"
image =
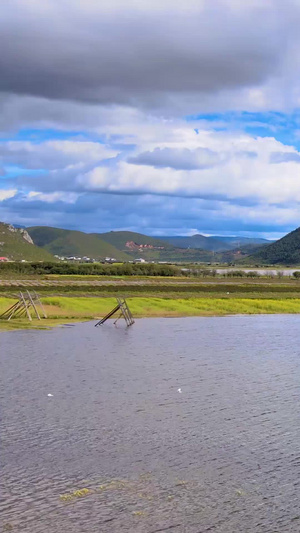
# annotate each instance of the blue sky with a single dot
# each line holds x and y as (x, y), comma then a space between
(169, 130)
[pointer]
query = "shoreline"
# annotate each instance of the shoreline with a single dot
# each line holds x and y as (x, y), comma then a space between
(69, 309)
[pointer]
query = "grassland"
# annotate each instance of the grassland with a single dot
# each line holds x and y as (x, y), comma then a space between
(70, 299)
(152, 287)
(65, 309)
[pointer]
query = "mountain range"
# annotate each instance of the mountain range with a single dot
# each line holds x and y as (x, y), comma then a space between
(128, 245)
(42, 243)
(214, 244)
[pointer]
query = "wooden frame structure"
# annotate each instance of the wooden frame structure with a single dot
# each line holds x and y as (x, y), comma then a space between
(27, 302)
(124, 312)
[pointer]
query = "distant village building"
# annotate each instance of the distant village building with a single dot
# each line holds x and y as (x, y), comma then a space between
(135, 246)
(4, 259)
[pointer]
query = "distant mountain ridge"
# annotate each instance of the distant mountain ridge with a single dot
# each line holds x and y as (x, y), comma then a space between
(128, 245)
(214, 243)
(41, 243)
(121, 245)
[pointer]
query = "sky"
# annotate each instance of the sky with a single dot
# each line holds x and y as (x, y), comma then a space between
(166, 118)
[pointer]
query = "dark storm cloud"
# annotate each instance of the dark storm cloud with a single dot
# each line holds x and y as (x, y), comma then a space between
(179, 159)
(125, 71)
(130, 54)
(150, 215)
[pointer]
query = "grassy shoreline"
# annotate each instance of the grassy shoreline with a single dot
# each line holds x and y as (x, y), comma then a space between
(62, 309)
(81, 298)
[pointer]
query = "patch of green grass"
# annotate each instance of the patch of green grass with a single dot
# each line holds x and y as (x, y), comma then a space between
(62, 309)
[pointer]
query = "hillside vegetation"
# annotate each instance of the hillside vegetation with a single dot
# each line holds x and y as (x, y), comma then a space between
(16, 245)
(128, 245)
(154, 249)
(285, 251)
(122, 245)
(119, 239)
(66, 243)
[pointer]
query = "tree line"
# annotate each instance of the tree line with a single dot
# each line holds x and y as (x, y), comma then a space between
(93, 269)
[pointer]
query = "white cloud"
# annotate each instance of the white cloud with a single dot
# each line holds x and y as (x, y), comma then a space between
(177, 158)
(236, 176)
(53, 154)
(128, 73)
(51, 198)
(5, 194)
(235, 170)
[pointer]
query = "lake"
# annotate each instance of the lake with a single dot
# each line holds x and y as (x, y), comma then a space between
(181, 425)
(262, 272)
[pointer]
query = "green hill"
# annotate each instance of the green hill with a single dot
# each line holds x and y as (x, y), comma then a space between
(122, 240)
(285, 251)
(67, 243)
(128, 245)
(16, 244)
(153, 248)
(122, 245)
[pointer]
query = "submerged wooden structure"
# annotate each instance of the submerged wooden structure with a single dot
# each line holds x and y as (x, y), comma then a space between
(124, 312)
(27, 302)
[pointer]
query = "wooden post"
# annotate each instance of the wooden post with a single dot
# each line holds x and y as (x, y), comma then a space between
(25, 306)
(33, 305)
(36, 297)
(10, 309)
(18, 309)
(125, 312)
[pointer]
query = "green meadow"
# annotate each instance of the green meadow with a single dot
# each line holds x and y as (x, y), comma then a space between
(72, 298)
(62, 309)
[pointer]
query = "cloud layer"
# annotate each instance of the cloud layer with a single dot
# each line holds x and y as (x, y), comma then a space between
(145, 54)
(116, 114)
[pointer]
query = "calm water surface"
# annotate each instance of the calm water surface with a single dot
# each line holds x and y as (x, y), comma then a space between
(222, 456)
(260, 271)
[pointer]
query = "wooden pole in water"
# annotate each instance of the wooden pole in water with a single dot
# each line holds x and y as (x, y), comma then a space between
(125, 312)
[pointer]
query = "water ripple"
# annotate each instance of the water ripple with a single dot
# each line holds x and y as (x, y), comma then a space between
(117, 448)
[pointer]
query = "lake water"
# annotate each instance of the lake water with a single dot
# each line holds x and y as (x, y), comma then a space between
(222, 455)
(262, 272)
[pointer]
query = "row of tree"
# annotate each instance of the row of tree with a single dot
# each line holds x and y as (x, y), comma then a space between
(93, 269)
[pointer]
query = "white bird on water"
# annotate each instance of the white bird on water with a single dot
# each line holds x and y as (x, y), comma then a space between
(179, 390)
(50, 395)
